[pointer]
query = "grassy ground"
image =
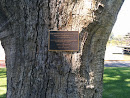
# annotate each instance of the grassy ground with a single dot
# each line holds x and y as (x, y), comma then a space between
(116, 82)
(3, 82)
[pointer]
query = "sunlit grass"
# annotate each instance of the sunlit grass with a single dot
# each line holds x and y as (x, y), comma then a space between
(116, 82)
(3, 83)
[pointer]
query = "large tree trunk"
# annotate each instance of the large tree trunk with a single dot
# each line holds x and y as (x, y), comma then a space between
(35, 72)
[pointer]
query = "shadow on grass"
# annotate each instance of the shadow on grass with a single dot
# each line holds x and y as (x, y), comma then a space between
(3, 85)
(2, 71)
(3, 96)
(116, 82)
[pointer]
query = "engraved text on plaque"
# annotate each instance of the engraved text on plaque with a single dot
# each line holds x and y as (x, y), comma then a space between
(63, 41)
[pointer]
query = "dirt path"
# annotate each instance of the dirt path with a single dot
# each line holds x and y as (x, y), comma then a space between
(2, 64)
(106, 64)
(117, 63)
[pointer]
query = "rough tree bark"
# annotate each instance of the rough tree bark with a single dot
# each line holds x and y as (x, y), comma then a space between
(33, 71)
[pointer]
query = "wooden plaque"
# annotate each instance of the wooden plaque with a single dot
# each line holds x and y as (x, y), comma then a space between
(63, 41)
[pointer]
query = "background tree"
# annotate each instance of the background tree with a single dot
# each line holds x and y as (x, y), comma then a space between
(33, 71)
(111, 37)
(127, 39)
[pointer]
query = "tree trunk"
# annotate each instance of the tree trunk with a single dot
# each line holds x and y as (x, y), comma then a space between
(35, 72)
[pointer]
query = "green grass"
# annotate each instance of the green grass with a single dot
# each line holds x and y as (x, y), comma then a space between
(3, 83)
(116, 82)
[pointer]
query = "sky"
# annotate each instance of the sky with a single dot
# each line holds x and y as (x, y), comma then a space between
(2, 53)
(122, 25)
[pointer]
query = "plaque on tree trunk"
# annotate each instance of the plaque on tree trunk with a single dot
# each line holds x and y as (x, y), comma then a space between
(63, 41)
